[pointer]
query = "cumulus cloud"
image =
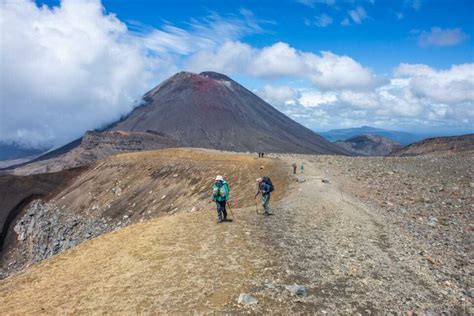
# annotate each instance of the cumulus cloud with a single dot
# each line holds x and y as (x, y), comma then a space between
(75, 67)
(442, 37)
(415, 96)
(325, 70)
(64, 70)
(281, 95)
(451, 86)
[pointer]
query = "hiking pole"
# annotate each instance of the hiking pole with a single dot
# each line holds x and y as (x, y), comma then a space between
(231, 213)
(256, 207)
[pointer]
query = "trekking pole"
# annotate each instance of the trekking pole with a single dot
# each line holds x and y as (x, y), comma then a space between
(256, 207)
(231, 213)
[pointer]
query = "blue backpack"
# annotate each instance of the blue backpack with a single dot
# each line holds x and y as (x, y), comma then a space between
(267, 185)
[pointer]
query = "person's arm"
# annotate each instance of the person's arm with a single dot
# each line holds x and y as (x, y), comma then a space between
(213, 194)
(227, 191)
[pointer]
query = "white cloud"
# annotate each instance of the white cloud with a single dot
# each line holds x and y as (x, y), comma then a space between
(312, 3)
(281, 95)
(345, 22)
(415, 96)
(331, 71)
(361, 100)
(442, 37)
(65, 70)
(316, 98)
(326, 70)
(323, 20)
(72, 68)
(451, 86)
(358, 14)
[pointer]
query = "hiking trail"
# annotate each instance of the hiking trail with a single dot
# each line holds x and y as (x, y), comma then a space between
(347, 257)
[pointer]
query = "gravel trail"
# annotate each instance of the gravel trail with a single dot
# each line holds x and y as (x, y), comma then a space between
(349, 258)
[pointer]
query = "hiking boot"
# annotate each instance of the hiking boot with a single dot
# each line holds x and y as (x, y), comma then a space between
(219, 221)
(266, 213)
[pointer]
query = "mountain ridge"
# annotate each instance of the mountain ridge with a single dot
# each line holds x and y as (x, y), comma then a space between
(403, 138)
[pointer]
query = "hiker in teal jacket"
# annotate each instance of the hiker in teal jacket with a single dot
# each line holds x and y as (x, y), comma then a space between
(220, 194)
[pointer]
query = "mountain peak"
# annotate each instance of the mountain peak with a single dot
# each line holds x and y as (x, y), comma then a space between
(210, 110)
(205, 74)
(214, 75)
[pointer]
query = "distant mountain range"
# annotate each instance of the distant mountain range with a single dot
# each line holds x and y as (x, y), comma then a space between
(402, 138)
(438, 145)
(369, 145)
(14, 151)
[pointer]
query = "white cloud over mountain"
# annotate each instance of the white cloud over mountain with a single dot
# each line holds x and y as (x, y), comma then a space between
(66, 70)
(73, 68)
(416, 95)
(325, 70)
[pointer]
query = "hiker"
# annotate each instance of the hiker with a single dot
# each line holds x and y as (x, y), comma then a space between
(220, 194)
(302, 168)
(263, 154)
(264, 186)
(294, 168)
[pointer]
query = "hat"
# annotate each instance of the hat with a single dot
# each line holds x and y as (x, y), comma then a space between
(259, 179)
(219, 178)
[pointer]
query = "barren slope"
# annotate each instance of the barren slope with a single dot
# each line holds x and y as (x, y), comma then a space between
(438, 145)
(129, 188)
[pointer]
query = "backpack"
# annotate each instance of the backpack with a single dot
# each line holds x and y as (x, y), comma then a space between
(222, 191)
(267, 185)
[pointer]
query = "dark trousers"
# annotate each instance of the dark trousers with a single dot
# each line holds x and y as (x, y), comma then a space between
(265, 201)
(221, 211)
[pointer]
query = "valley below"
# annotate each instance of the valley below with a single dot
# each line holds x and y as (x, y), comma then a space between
(350, 235)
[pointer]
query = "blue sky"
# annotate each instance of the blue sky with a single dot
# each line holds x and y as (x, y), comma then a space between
(381, 41)
(405, 65)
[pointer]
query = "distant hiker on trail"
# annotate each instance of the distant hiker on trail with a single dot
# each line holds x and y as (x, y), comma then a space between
(302, 168)
(263, 154)
(265, 186)
(294, 168)
(220, 194)
(259, 154)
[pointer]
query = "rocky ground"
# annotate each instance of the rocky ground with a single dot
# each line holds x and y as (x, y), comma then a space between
(346, 238)
(430, 198)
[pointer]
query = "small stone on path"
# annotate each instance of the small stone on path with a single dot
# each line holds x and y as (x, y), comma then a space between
(247, 299)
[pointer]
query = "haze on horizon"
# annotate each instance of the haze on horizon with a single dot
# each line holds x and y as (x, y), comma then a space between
(74, 66)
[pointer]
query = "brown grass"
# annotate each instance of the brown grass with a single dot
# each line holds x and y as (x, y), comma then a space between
(177, 263)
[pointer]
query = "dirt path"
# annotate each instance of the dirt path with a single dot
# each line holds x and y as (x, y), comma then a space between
(348, 259)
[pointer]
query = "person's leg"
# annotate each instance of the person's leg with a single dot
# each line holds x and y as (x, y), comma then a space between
(224, 210)
(219, 212)
(265, 199)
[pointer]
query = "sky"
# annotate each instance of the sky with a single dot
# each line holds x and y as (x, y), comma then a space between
(71, 66)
